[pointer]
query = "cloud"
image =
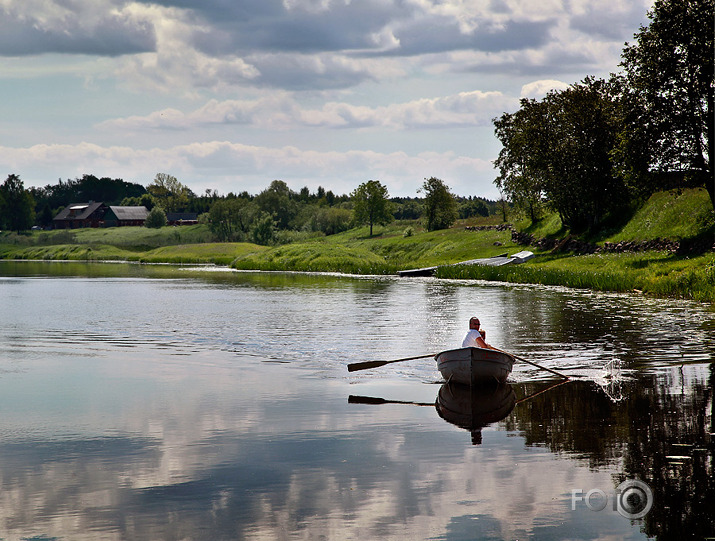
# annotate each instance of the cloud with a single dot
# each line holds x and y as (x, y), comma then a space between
(228, 166)
(305, 45)
(621, 18)
(35, 27)
(443, 35)
(276, 26)
(539, 89)
(465, 109)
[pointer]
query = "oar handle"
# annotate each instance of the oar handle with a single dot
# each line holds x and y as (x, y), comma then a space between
(375, 364)
(564, 376)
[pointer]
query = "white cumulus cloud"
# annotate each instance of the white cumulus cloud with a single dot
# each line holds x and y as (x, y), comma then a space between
(539, 89)
(228, 166)
(473, 108)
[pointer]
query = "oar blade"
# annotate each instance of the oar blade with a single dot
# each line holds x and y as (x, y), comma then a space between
(357, 399)
(374, 364)
(365, 365)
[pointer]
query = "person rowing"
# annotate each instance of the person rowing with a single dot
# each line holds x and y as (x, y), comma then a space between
(475, 337)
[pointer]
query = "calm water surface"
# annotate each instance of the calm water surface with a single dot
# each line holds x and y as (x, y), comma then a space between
(152, 402)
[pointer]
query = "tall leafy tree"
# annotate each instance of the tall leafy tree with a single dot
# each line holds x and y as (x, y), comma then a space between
(580, 181)
(371, 205)
(170, 194)
(232, 218)
(280, 202)
(524, 136)
(16, 204)
(440, 204)
(670, 88)
(560, 149)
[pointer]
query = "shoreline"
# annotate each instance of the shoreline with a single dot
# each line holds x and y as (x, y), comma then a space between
(690, 283)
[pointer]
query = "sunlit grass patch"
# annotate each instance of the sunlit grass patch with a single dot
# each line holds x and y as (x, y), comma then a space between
(655, 273)
(219, 253)
(316, 257)
(670, 214)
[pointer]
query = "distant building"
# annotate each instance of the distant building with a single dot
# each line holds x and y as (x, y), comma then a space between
(182, 218)
(120, 216)
(76, 215)
(93, 214)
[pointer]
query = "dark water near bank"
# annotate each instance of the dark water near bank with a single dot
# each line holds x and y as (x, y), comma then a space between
(151, 402)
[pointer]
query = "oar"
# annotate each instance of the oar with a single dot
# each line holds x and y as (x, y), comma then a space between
(375, 401)
(536, 365)
(374, 364)
(542, 391)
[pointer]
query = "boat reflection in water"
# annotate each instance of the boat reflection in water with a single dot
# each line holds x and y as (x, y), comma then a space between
(471, 407)
(476, 406)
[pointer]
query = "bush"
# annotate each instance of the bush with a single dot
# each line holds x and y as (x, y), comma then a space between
(264, 230)
(156, 218)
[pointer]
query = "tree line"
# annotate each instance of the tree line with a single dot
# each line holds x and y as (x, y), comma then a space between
(593, 150)
(270, 216)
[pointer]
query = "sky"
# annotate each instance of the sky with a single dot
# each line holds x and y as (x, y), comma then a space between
(229, 95)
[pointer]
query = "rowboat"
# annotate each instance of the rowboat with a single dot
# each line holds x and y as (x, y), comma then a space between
(471, 366)
(473, 407)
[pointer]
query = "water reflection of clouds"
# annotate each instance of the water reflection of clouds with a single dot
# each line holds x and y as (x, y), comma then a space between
(139, 442)
(204, 454)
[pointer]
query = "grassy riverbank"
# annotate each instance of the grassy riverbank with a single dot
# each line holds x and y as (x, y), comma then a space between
(685, 217)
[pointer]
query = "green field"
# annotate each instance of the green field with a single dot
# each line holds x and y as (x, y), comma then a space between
(683, 216)
(388, 251)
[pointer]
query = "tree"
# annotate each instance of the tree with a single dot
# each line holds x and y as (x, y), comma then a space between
(370, 204)
(525, 138)
(579, 179)
(16, 204)
(263, 231)
(440, 205)
(560, 149)
(156, 218)
(278, 200)
(473, 207)
(329, 220)
(231, 218)
(169, 193)
(670, 88)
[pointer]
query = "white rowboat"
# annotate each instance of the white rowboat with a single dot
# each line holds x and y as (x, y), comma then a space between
(471, 366)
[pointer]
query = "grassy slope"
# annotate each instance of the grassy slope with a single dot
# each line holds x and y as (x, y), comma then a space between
(674, 215)
(186, 244)
(386, 252)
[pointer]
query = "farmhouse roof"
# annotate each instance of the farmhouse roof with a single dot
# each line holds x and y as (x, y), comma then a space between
(78, 211)
(130, 213)
(176, 216)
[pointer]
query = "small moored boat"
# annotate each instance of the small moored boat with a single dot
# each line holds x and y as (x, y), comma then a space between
(474, 365)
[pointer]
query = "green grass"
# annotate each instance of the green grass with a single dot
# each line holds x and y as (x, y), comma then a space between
(57, 252)
(675, 215)
(385, 252)
(140, 238)
(315, 256)
(219, 253)
(655, 273)
(672, 214)
(549, 226)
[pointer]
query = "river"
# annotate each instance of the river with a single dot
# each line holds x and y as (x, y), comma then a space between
(158, 402)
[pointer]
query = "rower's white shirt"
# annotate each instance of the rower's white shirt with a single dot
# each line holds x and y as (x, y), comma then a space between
(470, 341)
